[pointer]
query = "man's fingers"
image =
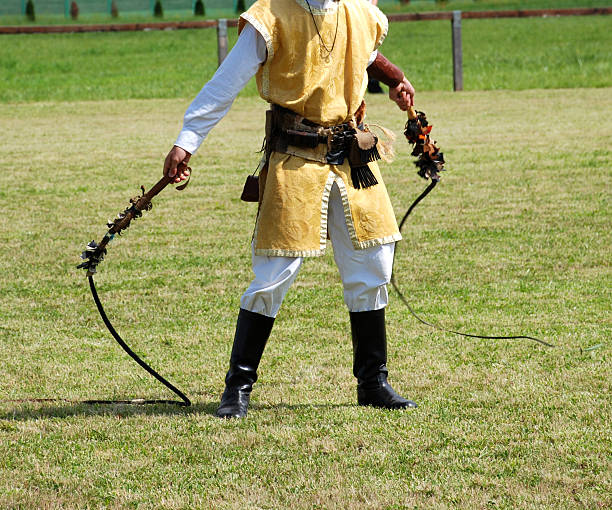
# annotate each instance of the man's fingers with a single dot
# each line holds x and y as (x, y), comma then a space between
(409, 89)
(182, 173)
(176, 161)
(170, 165)
(403, 95)
(403, 101)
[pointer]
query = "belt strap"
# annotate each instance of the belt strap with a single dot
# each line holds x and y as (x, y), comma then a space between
(285, 128)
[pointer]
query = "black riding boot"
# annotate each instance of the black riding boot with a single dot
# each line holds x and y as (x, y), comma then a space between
(252, 332)
(370, 360)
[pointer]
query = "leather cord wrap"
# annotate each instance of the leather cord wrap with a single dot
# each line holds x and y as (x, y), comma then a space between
(385, 71)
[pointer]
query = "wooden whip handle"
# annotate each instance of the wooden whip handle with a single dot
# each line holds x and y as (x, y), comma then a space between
(144, 200)
(141, 204)
(123, 223)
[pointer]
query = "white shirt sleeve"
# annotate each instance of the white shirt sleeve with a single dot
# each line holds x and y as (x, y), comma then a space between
(216, 97)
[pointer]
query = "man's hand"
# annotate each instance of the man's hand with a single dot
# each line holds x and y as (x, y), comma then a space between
(175, 164)
(403, 94)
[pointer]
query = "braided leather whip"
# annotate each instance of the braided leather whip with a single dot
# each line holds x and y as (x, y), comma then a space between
(430, 161)
(94, 254)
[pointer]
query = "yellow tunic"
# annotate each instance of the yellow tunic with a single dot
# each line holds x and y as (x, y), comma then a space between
(326, 88)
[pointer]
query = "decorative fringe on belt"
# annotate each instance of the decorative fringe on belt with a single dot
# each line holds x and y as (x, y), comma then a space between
(356, 143)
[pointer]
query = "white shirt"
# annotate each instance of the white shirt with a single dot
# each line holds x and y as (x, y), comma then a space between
(216, 97)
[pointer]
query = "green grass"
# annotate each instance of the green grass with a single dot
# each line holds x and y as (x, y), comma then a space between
(391, 6)
(515, 239)
(124, 17)
(215, 10)
(512, 54)
(498, 54)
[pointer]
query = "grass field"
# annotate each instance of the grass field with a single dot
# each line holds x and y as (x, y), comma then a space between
(516, 239)
(498, 54)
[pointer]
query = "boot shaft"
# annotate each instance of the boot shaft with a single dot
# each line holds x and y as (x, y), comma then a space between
(252, 333)
(370, 362)
(369, 337)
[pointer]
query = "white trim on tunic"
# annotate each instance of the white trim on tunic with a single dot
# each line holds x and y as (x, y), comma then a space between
(365, 273)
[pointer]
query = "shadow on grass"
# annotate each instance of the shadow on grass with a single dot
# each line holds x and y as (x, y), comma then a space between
(25, 412)
(296, 407)
(119, 410)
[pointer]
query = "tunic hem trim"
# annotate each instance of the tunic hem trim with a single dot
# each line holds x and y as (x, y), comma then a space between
(273, 252)
(383, 21)
(384, 34)
(348, 216)
(362, 245)
(325, 209)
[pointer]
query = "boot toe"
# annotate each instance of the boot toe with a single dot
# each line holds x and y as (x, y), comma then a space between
(229, 414)
(383, 397)
(408, 404)
(234, 403)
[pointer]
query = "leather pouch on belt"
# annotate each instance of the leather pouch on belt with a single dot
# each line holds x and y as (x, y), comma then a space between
(250, 192)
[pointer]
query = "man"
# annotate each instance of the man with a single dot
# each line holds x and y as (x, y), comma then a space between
(319, 180)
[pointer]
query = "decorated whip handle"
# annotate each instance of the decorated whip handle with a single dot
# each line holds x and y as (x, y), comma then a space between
(94, 252)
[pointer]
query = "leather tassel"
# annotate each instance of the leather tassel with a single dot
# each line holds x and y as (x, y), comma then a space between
(362, 177)
(363, 151)
(370, 155)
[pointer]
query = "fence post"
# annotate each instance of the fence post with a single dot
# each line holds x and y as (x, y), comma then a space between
(457, 52)
(66, 8)
(222, 39)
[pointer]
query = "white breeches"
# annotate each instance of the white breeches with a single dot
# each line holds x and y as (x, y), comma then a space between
(364, 273)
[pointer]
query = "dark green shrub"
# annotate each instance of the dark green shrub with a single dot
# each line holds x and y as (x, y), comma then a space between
(199, 9)
(240, 6)
(29, 11)
(158, 10)
(114, 9)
